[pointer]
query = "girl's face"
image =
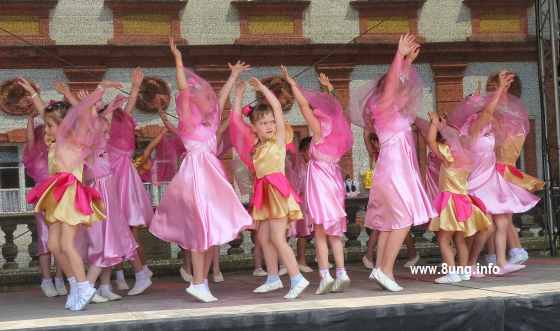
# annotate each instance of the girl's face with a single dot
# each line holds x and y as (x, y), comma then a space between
(265, 127)
(51, 127)
(160, 101)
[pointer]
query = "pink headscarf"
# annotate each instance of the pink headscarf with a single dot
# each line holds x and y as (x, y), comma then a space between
(511, 119)
(336, 135)
(197, 105)
(401, 92)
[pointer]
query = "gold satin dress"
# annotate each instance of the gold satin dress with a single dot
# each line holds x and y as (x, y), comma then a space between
(507, 154)
(65, 210)
(269, 158)
(455, 181)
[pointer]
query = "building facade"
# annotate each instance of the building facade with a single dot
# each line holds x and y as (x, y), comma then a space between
(84, 41)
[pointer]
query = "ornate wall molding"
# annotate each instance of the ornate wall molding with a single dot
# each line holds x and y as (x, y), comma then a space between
(385, 21)
(26, 18)
(271, 22)
(146, 22)
(507, 23)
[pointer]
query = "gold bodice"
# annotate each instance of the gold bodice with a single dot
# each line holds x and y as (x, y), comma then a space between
(509, 151)
(451, 179)
(269, 157)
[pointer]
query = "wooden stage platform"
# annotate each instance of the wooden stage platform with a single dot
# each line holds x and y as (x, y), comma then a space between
(527, 300)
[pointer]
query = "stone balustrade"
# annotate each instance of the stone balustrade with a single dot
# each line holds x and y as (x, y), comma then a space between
(18, 240)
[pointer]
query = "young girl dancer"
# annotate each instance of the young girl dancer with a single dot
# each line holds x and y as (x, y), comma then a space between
(133, 198)
(200, 209)
(72, 136)
(303, 229)
(511, 132)
(500, 197)
(110, 242)
(397, 199)
(274, 201)
(35, 159)
(460, 215)
(325, 192)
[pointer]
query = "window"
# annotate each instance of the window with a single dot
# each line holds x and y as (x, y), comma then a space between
(13, 181)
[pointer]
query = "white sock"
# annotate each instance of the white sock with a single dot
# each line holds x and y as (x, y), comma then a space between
(146, 269)
(82, 286)
(46, 280)
(140, 275)
(105, 287)
(199, 287)
(325, 273)
(59, 281)
(120, 275)
(341, 273)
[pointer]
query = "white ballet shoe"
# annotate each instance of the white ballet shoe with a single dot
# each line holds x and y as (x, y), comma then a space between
(48, 288)
(60, 286)
(297, 290)
(412, 262)
(121, 285)
(98, 298)
(465, 276)
(201, 294)
(519, 258)
(84, 298)
(305, 268)
(325, 286)
(141, 285)
(218, 278)
(450, 278)
(269, 287)
(509, 268)
(259, 272)
(367, 263)
(341, 284)
(386, 282)
(72, 297)
(108, 294)
(185, 275)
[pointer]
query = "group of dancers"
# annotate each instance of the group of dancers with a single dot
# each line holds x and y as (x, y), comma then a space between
(90, 200)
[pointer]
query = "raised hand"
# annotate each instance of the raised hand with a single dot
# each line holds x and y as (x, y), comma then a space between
(238, 68)
(82, 94)
(174, 50)
(26, 85)
(407, 43)
(414, 53)
(505, 79)
(286, 75)
(256, 84)
(137, 77)
(325, 82)
(61, 88)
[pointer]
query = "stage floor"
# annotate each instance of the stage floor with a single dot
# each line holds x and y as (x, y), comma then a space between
(166, 302)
